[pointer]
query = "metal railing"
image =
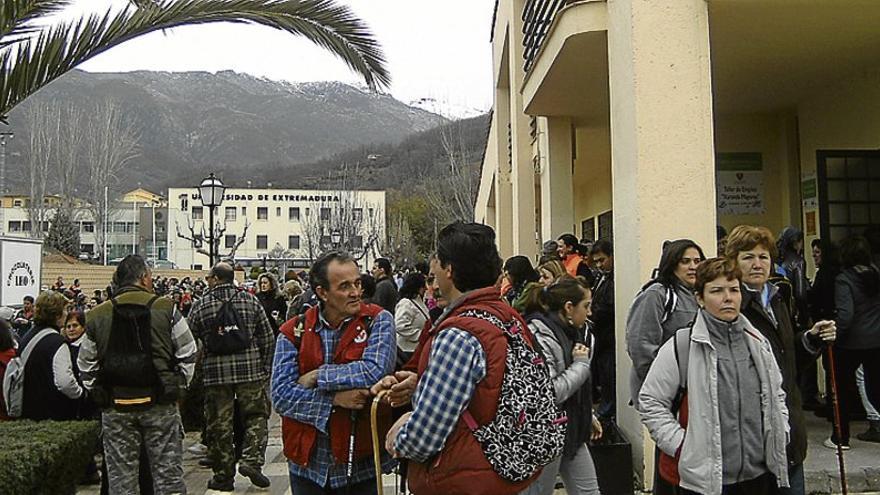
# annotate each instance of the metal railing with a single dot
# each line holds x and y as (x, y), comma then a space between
(537, 17)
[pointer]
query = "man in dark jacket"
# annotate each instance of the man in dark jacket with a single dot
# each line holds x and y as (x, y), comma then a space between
(603, 364)
(386, 290)
(239, 374)
(138, 415)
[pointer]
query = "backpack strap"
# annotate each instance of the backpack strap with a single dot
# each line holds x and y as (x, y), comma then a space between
(669, 302)
(26, 352)
(681, 346)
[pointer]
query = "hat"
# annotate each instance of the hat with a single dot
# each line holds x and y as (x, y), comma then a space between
(549, 247)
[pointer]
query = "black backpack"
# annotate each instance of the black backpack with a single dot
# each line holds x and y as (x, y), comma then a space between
(227, 333)
(127, 371)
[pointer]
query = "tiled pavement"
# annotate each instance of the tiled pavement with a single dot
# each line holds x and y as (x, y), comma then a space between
(862, 465)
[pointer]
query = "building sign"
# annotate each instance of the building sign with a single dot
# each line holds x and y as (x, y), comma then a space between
(810, 224)
(810, 193)
(740, 183)
(282, 198)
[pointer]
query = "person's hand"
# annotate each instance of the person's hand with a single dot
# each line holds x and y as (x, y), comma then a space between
(391, 437)
(384, 384)
(352, 399)
(580, 351)
(309, 380)
(403, 390)
(825, 330)
(597, 429)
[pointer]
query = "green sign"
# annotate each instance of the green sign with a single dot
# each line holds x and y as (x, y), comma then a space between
(808, 188)
(739, 162)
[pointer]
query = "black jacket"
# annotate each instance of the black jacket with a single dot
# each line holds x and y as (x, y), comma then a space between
(42, 397)
(857, 301)
(275, 307)
(386, 294)
(603, 314)
(821, 294)
(783, 340)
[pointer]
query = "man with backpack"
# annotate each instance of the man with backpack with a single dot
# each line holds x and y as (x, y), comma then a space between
(236, 365)
(484, 417)
(325, 363)
(136, 357)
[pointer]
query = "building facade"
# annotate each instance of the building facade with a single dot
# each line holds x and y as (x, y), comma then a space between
(129, 227)
(282, 227)
(653, 120)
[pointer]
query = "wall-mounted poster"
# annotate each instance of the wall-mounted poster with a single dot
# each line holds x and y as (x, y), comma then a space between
(740, 183)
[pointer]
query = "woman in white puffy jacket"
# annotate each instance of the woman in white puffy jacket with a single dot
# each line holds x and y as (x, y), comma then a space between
(410, 314)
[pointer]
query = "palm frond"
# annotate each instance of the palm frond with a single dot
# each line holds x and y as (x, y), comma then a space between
(38, 60)
(16, 17)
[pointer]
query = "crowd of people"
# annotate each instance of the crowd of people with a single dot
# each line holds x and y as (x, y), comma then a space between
(460, 347)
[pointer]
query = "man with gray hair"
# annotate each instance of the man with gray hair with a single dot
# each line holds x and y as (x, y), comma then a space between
(238, 347)
(135, 359)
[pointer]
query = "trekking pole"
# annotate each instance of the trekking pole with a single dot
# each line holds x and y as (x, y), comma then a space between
(377, 454)
(837, 427)
(349, 469)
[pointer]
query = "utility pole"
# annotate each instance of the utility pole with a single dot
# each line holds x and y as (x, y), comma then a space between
(5, 137)
(106, 218)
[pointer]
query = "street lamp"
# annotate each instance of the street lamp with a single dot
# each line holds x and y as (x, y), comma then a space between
(211, 193)
(335, 238)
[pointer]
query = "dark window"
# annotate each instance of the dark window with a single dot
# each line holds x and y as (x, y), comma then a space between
(325, 214)
(293, 242)
(262, 213)
(229, 241)
(87, 227)
(230, 213)
(197, 213)
(293, 214)
(262, 242)
(14, 226)
(277, 211)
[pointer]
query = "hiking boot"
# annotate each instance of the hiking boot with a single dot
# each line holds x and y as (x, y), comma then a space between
(221, 484)
(255, 475)
(205, 462)
(873, 433)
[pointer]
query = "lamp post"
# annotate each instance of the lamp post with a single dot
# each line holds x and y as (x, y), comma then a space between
(335, 238)
(211, 193)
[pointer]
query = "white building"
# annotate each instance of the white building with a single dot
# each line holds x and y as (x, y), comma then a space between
(285, 227)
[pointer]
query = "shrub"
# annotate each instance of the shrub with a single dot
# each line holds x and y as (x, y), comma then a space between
(45, 456)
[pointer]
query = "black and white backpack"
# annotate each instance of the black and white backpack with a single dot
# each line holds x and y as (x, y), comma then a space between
(528, 431)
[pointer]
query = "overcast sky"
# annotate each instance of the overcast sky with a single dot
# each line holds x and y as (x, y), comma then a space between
(435, 48)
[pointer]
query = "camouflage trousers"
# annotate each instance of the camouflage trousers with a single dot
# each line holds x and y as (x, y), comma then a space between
(160, 431)
(253, 404)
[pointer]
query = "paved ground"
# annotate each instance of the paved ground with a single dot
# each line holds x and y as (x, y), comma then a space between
(862, 465)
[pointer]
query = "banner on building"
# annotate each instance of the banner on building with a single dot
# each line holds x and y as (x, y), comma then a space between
(740, 183)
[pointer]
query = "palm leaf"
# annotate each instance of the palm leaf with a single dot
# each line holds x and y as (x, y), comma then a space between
(36, 61)
(16, 17)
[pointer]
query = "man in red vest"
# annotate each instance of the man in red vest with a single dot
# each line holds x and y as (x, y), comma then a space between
(461, 365)
(325, 363)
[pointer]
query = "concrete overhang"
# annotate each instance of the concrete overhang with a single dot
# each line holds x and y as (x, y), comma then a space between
(769, 55)
(570, 74)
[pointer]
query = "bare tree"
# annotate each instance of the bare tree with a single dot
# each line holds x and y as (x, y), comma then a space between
(201, 241)
(110, 143)
(453, 194)
(40, 157)
(69, 123)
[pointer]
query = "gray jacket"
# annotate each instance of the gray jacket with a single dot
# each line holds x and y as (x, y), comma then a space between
(646, 331)
(700, 464)
(566, 381)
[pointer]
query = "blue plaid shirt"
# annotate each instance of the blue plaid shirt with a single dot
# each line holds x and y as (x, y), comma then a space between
(456, 365)
(313, 406)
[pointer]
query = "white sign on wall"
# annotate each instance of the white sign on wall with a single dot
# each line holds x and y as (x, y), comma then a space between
(740, 184)
(20, 261)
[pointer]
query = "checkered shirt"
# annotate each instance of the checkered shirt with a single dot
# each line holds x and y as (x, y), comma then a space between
(456, 365)
(313, 406)
(250, 365)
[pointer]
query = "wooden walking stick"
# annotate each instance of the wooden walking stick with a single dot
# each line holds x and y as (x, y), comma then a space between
(377, 447)
(837, 427)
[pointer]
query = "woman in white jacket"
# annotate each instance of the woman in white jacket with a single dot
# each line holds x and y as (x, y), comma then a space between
(410, 315)
(722, 380)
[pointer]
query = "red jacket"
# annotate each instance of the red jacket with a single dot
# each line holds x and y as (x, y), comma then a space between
(5, 357)
(461, 467)
(299, 438)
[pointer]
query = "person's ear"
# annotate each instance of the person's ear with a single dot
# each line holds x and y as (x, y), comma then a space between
(700, 300)
(569, 308)
(321, 292)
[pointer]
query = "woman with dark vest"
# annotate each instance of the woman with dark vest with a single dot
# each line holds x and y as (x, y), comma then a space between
(272, 300)
(51, 390)
(556, 316)
(753, 249)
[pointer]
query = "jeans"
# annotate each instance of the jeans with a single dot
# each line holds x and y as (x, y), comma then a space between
(870, 410)
(304, 486)
(578, 476)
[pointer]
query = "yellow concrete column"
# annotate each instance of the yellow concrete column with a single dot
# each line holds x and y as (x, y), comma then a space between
(503, 189)
(663, 177)
(523, 173)
(557, 202)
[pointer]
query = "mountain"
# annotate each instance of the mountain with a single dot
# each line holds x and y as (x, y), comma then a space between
(451, 111)
(193, 123)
